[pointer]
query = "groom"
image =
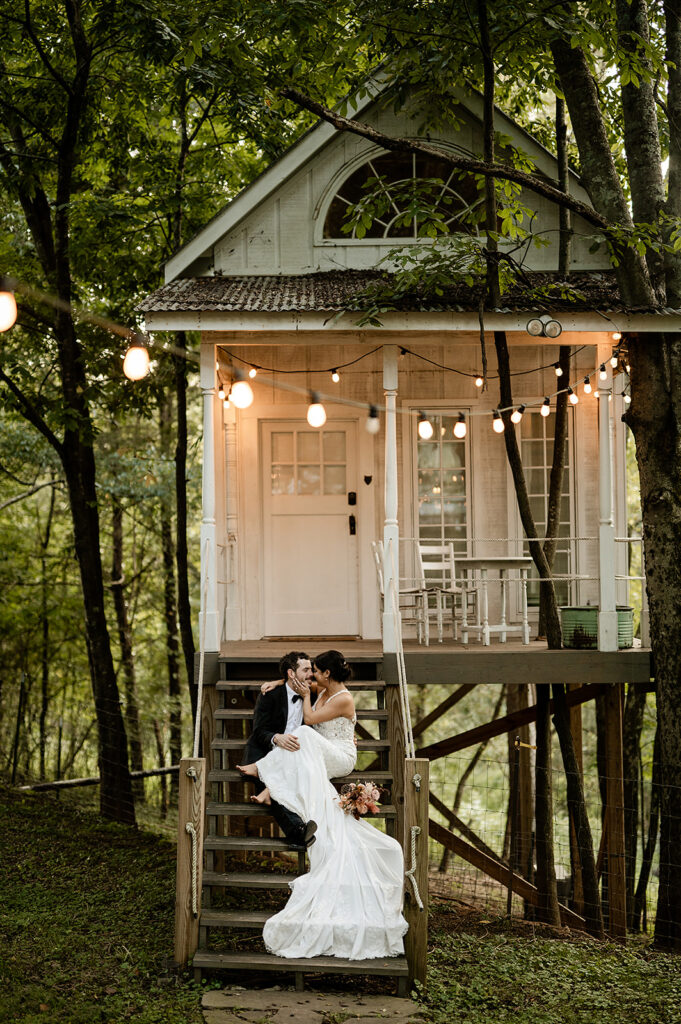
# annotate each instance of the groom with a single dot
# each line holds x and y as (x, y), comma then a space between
(277, 713)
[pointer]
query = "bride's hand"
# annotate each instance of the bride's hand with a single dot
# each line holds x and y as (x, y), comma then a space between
(266, 687)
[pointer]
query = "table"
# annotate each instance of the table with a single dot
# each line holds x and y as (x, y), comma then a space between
(502, 564)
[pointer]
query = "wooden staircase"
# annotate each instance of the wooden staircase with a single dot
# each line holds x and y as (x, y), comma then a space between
(236, 903)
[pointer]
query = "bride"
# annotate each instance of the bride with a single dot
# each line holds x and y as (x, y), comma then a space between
(349, 903)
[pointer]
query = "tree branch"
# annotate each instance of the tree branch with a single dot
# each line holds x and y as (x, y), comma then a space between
(30, 413)
(27, 494)
(400, 144)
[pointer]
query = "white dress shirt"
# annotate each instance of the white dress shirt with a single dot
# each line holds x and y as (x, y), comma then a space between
(295, 710)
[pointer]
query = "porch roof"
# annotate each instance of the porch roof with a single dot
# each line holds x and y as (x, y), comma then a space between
(338, 290)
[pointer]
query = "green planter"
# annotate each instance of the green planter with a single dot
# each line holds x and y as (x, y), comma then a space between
(580, 626)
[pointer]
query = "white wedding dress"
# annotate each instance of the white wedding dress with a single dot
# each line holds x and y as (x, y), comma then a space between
(349, 904)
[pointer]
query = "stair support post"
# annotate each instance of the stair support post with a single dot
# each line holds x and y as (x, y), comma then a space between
(191, 811)
(416, 789)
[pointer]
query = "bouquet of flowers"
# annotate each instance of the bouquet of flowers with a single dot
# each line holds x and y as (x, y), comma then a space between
(359, 797)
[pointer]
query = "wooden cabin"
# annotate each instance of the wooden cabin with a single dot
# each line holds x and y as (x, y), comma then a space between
(290, 511)
(313, 533)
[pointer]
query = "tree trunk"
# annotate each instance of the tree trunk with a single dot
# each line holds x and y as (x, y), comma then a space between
(651, 841)
(547, 908)
(132, 721)
(565, 236)
(632, 725)
(45, 633)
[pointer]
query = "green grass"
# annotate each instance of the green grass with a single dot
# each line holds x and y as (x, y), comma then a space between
(86, 928)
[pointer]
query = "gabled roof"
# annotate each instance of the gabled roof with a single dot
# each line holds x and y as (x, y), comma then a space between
(311, 143)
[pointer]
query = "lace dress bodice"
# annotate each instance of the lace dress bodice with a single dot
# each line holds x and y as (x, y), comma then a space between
(340, 752)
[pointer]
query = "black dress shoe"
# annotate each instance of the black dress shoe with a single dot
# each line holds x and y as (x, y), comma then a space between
(305, 836)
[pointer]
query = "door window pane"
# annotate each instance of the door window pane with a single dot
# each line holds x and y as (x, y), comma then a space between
(308, 480)
(282, 446)
(308, 446)
(282, 479)
(334, 445)
(334, 479)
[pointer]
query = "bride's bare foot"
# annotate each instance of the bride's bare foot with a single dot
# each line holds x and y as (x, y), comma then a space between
(248, 769)
(262, 798)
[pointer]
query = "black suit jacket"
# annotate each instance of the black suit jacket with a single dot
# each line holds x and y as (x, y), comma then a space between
(271, 715)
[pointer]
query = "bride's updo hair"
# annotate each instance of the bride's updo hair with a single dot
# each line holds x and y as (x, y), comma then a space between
(335, 663)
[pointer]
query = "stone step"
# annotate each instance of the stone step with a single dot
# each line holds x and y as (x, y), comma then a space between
(248, 879)
(248, 810)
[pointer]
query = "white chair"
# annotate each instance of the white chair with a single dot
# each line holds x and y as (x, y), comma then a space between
(438, 570)
(413, 600)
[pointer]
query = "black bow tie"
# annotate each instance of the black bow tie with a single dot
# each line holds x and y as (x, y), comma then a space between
(295, 697)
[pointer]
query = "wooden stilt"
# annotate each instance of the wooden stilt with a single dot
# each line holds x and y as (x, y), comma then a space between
(617, 884)
(191, 811)
(416, 789)
(576, 730)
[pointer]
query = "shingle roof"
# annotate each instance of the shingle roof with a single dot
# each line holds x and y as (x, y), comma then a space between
(340, 289)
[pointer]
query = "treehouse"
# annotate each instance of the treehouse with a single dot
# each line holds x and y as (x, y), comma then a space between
(356, 487)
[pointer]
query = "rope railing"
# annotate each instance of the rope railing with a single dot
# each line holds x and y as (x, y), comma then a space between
(410, 749)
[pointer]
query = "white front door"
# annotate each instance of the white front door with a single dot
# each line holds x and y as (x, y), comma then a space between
(310, 556)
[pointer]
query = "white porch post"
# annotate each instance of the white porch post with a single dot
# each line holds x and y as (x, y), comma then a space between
(607, 614)
(208, 617)
(390, 524)
(232, 626)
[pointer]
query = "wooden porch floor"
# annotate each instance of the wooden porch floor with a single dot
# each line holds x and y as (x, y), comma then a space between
(452, 662)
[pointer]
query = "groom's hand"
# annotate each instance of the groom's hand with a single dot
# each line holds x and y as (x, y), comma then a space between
(286, 740)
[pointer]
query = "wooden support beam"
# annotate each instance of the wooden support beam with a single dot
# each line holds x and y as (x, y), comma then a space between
(463, 828)
(499, 872)
(395, 736)
(501, 725)
(416, 790)
(614, 768)
(440, 710)
(576, 730)
(192, 803)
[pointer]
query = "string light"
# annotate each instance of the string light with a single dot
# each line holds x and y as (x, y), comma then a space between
(596, 395)
(546, 407)
(316, 413)
(425, 427)
(497, 422)
(242, 394)
(573, 397)
(221, 392)
(460, 426)
(628, 368)
(225, 404)
(253, 372)
(136, 362)
(478, 381)
(587, 386)
(8, 306)
(517, 414)
(616, 335)
(373, 424)
(614, 359)
(627, 399)
(335, 376)
(602, 372)
(559, 369)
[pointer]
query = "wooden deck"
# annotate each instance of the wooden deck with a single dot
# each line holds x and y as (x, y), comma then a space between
(452, 662)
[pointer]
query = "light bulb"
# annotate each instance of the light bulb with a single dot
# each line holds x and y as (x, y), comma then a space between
(478, 381)
(8, 310)
(573, 397)
(627, 399)
(136, 362)
(602, 372)
(517, 414)
(616, 335)
(460, 426)
(587, 386)
(252, 372)
(559, 369)
(221, 393)
(497, 422)
(335, 376)
(425, 427)
(225, 404)
(628, 368)
(546, 407)
(596, 395)
(316, 413)
(614, 360)
(242, 394)
(373, 424)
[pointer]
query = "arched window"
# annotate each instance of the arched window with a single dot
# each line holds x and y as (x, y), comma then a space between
(457, 193)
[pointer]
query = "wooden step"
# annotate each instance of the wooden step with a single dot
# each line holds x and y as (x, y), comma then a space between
(379, 714)
(249, 684)
(239, 744)
(229, 775)
(234, 918)
(248, 879)
(390, 967)
(242, 810)
(253, 843)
